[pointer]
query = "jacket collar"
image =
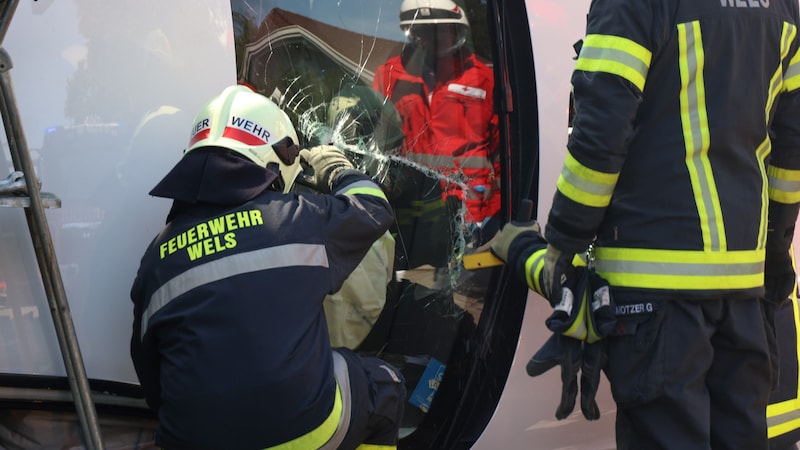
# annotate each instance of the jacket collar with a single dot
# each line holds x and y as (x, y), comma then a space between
(214, 175)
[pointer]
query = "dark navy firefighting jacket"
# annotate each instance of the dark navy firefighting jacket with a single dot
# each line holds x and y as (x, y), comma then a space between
(229, 338)
(686, 133)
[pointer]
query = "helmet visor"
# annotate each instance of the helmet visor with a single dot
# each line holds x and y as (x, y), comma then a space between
(439, 39)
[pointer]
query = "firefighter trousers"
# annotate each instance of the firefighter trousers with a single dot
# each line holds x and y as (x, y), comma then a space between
(689, 374)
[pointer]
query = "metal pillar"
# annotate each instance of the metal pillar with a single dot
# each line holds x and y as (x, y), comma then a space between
(43, 246)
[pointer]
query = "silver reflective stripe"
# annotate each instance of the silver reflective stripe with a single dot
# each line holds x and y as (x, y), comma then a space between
(678, 269)
(267, 258)
(587, 186)
(784, 185)
(694, 119)
(464, 162)
(343, 379)
(617, 55)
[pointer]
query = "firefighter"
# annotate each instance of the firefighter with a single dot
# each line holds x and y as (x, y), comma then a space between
(444, 93)
(229, 337)
(682, 170)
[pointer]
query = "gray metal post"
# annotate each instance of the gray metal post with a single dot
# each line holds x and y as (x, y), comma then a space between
(45, 252)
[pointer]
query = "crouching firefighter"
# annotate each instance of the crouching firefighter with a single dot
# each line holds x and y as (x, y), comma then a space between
(583, 314)
(229, 337)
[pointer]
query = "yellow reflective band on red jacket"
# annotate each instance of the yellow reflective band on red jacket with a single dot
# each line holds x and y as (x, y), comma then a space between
(617, 56)
(680, 269)
(784, 185)
(317, 437)
(584, 185)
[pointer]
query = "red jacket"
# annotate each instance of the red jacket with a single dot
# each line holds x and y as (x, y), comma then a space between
(451, 127)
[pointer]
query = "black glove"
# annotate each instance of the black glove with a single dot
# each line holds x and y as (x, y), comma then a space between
(594, 359)
(562, 351)
(779, 276)
(327, 161)
(584, 316)
(779, 273)
(586, 310)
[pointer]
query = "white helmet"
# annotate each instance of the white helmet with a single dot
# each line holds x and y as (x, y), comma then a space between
(418, 12)
(419, 17)
(252, 125)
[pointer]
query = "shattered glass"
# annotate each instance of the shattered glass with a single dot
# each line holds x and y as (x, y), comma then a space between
(320, 62)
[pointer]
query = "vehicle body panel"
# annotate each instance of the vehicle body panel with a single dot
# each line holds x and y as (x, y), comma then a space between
(107, 92)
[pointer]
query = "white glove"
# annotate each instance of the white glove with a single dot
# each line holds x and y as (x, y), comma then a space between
(327, 161)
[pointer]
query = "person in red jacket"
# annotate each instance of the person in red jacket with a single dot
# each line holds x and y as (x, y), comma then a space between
(443, 93)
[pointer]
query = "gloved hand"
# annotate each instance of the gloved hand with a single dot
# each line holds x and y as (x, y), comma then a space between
(560, 350)
(557, 271)
(779, 272)
(602, 315)
(327, 161)
(779, 275)
(593, 360)
(585, 314)
(502, 241)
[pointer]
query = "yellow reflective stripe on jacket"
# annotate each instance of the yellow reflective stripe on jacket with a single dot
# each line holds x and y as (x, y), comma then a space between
(317, 437)
(791, 80)
(362, 187)
(694, 119)
(617, 56)
(680, 269)
(784, 184)
(584, 185)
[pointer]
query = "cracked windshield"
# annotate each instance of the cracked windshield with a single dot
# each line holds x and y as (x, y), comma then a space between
(408, 96)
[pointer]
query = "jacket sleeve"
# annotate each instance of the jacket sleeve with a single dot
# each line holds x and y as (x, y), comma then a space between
(358, 214)
(783, 173)
(609, 78)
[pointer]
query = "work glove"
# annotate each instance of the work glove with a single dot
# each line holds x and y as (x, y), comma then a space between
(779, 275)
(585, 314)
(510, 231)
(557, 272)
(327, 161)
(563, 351)
(593, 359)
(779, 272)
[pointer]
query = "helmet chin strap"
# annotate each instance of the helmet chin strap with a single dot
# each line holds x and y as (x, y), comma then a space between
(277, 184)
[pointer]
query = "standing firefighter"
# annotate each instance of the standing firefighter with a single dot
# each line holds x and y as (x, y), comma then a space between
(683, 169)
(229, 338)
(443, 94)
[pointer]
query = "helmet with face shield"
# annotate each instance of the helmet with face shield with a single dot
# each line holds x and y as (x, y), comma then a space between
(252, 125)
(439, 26)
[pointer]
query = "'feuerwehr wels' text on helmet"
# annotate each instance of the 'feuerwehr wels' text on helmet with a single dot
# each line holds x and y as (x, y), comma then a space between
(251, 125)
